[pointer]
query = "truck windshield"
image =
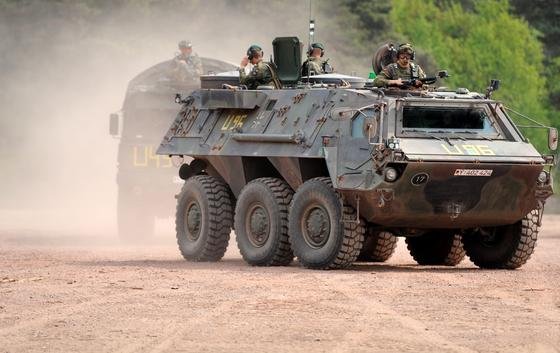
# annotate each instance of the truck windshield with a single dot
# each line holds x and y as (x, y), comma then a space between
(454, 120)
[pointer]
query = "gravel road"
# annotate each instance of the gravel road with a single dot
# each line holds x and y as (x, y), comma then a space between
(67, 292)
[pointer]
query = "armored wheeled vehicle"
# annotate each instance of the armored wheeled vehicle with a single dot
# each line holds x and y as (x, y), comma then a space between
(144, 179)
(333, 174)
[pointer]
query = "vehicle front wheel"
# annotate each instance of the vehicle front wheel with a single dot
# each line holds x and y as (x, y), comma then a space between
(324, 233)
(506, 247)
(204, 218)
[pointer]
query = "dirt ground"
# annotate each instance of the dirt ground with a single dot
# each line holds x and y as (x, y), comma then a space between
(65, 292)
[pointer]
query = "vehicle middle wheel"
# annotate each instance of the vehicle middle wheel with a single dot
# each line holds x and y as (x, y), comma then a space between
(261, 222)
(378, 246)
(204, 218)
(324, 234)
(437, 248)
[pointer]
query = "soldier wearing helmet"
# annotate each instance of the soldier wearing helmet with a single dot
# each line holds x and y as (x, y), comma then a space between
(404, 69)
(315, 64)
(187, 63)
(261, 74)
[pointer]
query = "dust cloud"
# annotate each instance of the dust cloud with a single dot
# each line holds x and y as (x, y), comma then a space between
(65, 67)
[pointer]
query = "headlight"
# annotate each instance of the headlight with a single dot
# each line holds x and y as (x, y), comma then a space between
(393, 143)
(391, 174)
(543, 177)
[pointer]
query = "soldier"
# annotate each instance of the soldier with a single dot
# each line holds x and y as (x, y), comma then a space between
(315, 64)
(262, 73)
(187, 63)
(404, 69)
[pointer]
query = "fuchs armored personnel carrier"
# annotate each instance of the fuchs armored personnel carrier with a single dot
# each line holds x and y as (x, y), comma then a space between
(145, 180)
(333, 174)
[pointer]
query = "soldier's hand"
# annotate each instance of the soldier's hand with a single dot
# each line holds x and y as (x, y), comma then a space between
(244, 61)
(417, 83)
(397, 82)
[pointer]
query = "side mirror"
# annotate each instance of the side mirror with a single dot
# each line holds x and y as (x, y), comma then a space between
(494, 85)
(552, 138)
(114, 124)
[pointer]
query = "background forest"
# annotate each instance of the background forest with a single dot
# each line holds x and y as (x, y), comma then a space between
(65, 64)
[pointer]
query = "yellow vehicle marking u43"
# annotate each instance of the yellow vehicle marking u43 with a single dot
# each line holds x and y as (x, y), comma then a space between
(144, 156)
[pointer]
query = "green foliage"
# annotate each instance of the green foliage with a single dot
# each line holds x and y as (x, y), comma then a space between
(477, 45)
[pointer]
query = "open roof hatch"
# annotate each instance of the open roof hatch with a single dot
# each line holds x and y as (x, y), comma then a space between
(287, 58)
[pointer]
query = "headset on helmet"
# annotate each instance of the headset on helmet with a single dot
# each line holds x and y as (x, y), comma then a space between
(406, 47)
(252, 51)
(316, 46)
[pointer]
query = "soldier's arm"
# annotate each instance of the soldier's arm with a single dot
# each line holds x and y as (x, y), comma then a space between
(243, 77)
(382, 80)
(385, 79)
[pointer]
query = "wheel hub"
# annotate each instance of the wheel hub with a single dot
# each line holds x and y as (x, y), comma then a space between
(258, 225)
(316, 227)
(193, 221)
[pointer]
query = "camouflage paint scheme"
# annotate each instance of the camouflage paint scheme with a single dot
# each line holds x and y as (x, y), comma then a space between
(301, 133)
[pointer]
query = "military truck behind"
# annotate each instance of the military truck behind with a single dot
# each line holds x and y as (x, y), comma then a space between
(147, 182)
(332, 174)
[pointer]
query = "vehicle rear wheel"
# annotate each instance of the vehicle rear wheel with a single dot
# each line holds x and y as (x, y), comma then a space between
(323, 232)
(378, 246)
(261, 222)
(507, 247)
(204, 218)
(135, 222)
(436, 248)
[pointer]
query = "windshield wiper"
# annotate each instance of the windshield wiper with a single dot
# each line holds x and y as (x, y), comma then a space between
(426, 133)
(472, 133)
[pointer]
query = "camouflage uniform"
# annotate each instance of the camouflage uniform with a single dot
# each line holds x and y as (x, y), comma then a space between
(315, 65)
(188, 66)
(260, 75)
(394, 72)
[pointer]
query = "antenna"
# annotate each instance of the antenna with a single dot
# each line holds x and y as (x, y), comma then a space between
(310, 39)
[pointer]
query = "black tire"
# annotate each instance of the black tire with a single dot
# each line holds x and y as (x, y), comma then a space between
(136, 224)
(436, 248)
(507, 247)
(378, 246)
(204, 218)
(261, 222)
(335, 239)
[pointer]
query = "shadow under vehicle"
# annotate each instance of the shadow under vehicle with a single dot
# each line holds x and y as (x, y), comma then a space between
(332, 174)
(146, 182)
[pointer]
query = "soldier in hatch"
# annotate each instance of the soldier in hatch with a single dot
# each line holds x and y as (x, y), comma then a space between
(315, 64)
(262, 73)
(187, 63)
(404, 69)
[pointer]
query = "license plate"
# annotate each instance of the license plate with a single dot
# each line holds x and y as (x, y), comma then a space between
(473, 172)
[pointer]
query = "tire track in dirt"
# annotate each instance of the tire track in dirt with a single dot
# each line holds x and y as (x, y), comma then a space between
(372, 308)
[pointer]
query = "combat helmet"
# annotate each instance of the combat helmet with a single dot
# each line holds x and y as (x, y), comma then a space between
(185, 44)
(406, 48)
(316, 46)
(253, 50)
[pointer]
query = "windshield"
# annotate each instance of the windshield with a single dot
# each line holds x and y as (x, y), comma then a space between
(449, 120)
